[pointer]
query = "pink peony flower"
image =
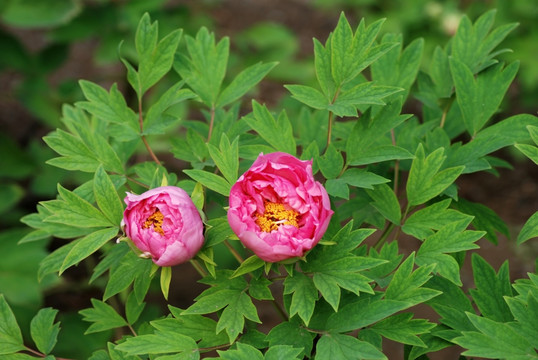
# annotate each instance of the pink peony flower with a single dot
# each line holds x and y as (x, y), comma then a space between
(277, 209)
(164, 224)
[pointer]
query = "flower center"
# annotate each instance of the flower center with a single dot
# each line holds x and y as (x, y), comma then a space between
(275, 215)
(155, 221)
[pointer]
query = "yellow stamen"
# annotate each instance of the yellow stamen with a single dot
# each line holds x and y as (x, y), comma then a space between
(276, 214)
(155, 221)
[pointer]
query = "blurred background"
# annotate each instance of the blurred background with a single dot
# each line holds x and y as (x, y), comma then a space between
(47, 46)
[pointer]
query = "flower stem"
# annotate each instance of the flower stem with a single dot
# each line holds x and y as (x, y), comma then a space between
(144, 140)
(40, 354)
(211, 123)
(384, 237)
(234, 252)
(329, 129)
(280, 310)
(132, 330)
(198, 267)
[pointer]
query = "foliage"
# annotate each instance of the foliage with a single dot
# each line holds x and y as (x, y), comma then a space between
(391, 178)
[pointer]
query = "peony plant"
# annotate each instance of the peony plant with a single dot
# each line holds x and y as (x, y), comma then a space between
(345, 237)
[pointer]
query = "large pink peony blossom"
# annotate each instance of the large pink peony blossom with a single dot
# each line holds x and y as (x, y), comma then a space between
(277, 209)
(164, 224)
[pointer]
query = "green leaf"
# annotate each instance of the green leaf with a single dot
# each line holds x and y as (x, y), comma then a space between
(365, 50)
(53, 262)
(209, 180)
(304, 295)
(330, 281)
(525, 311)
(259, 289)
(10, 334)
(133, 308)
(160, 343)
(473, 43)
(490, 289)
(494, 137)
(232, 319)
(250, 264)
(365, 311)
(369, 133)
(166, 278)
(331, 163)
(338, 188)
(406, 284)
(480, 98)
(44, 331)
(279, 352)
(339, 346)
(494, 340)
(292, 333)
(403, 328)
(450, 238)
(341, 43)
(128, 269)
(217, 231)
(529, 151)
(322, 64)
(381, 153)
(308, 95)
(215, 301)
(386, 202)
(422, 223)
(75, 211)
(154, 58)
(107, 197)
(73, 149)
(529, 230)
(243, 82)
(86, 246)
(363, 94)
(35, 14)
(451, 304)
(404, 64)
(226, 157)
(243, 352)
(103, 317)
(205, 67)
(156, 120)
(484, 219)
(425, 180)
(198, 327)
(278, 134)
(111, 256)
(362, 178)
(110, 107)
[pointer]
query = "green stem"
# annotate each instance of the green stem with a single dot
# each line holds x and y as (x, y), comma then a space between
(329, 130)
(144, 140)
(330, 127)
(234, 252)
(280, 310)
(211, 122)
(383, 237)
(132, 330)
(41, 354)
(198, 267)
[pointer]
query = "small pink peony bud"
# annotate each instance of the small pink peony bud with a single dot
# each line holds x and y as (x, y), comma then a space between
(164, 224)
(277, 209)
